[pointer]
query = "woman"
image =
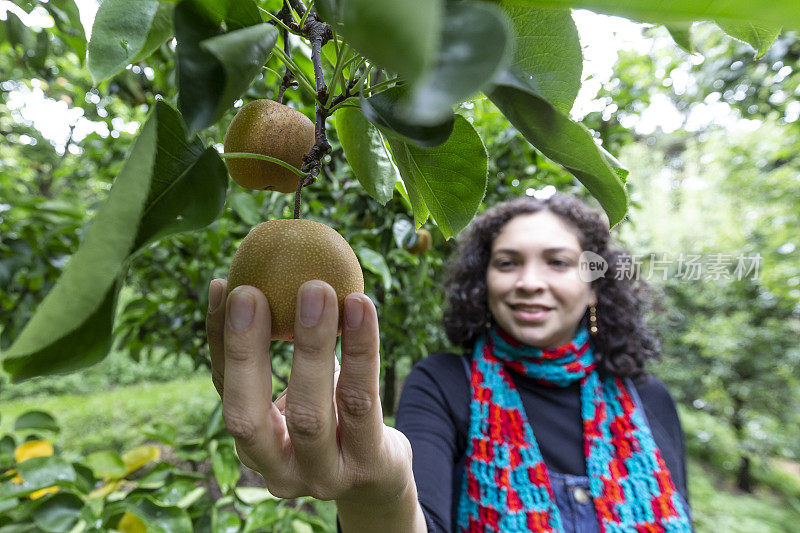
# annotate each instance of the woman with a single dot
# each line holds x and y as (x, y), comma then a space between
(498, 443)
(531, 423)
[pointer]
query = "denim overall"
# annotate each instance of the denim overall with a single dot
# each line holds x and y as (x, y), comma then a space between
(573, 497)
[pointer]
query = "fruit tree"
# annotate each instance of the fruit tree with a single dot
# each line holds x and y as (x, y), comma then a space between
(385, 77)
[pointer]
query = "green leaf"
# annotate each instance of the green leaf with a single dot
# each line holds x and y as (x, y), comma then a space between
(157, 477)
(681, 33)
(235, 14)
(375, 263)
(329, 11)
(449, 181)
(299, 526)
(476, 43)
(162, 519)
(67, 19)
(366, 153)
(58, 513)
(253, 495)
(183, 171)
(785, 13)
(161, 30)
(548, 49)
(403, 232)
(566, 142)
(388, 109)
(216, 424)
(36, 420)
(38, 473)
(180, 493)
(8, 505)
(262, 517)
(215, 69)
(84, 478)
(36, 354)
(226, 522)
(402, 37)
(163, 432)
(17, 33)
(88, 280)
(615, 165)
(106, 464)
(244, 204)
(26, 5)
(121, 32)
(7, 444)
(72, 327)
(759, 36)
(225, 465)
(241, 53)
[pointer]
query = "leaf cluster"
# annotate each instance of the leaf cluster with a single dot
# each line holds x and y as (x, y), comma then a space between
(173, 484)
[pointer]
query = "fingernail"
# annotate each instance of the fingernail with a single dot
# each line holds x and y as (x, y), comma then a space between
(243, 306)
(312, 299)
(354, 312)
(214, 295)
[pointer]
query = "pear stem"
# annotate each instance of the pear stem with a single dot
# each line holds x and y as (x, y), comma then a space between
(247, 155)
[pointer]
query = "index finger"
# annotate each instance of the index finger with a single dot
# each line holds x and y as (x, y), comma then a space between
(247, 406)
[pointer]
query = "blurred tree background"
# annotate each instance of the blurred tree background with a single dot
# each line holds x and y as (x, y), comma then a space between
(709, 140)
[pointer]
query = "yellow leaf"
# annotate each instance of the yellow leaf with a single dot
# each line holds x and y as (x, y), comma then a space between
(39, 493)
(138, 457)
(31, 449)
(131, 524)
(105, 490)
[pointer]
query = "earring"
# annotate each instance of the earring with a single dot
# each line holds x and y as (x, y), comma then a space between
(488, 321)
(592, 320)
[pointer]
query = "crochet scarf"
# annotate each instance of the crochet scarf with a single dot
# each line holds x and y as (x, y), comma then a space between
(506, 486)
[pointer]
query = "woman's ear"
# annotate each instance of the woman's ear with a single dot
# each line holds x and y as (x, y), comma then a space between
(593, 298)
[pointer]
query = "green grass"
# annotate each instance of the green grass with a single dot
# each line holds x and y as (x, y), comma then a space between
(714, 443)
(717, 506)
(115, 370)
(115, 419)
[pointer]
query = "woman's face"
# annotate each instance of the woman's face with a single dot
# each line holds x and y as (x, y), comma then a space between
(535, 293)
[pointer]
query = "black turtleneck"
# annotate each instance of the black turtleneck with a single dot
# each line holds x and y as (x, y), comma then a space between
(434, 414)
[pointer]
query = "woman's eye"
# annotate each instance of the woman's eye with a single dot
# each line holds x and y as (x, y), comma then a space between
(559, 263)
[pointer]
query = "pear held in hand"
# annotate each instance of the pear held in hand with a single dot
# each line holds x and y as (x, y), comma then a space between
(278, 256)
(268, 128)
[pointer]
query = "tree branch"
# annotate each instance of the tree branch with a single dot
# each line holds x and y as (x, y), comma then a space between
(298, 6)
(318, 33)
(288, 78)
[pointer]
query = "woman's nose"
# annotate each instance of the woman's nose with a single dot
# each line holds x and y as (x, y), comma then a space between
(531, 279)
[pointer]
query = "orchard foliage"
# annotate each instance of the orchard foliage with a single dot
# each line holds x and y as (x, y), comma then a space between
(159, 486)
(389, 74)
(730, 350)
(414, 100)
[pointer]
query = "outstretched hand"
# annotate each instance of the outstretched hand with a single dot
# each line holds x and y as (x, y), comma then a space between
(312, 441)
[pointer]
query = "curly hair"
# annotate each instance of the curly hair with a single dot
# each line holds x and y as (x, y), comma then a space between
(623, 341)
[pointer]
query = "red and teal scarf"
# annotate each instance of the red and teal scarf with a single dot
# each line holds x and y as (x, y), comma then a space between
(506, 486)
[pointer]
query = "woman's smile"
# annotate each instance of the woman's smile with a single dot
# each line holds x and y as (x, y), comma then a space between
(530, 316)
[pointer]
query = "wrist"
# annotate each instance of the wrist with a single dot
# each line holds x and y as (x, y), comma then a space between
(401, 513)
